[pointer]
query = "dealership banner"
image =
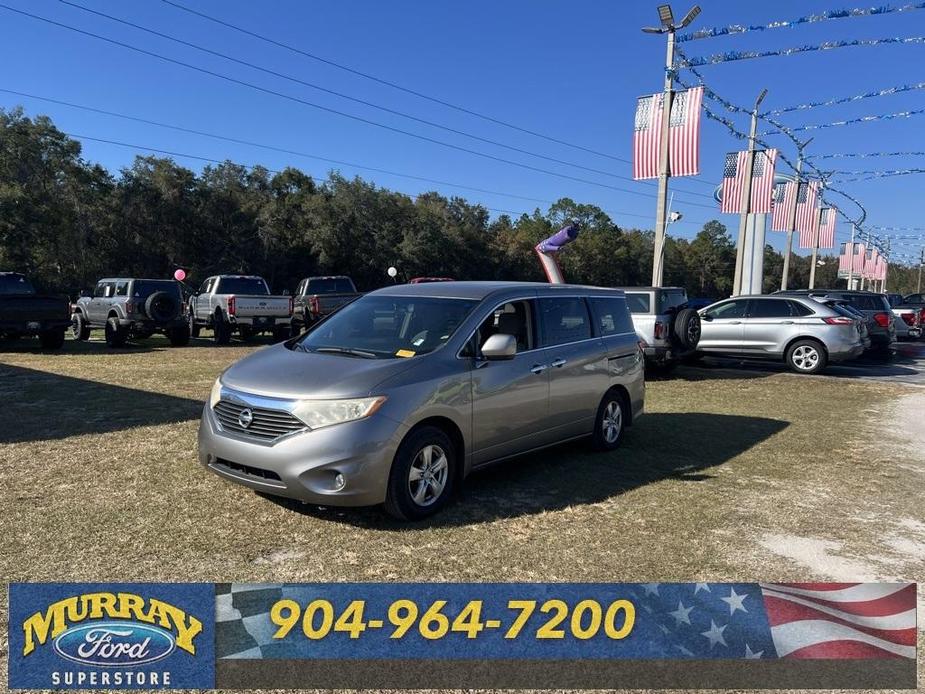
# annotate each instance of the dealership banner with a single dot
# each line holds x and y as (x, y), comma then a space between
(462, 635)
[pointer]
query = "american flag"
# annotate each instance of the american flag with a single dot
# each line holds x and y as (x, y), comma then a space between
(870, 263)
(780, 620)
(841, 620)
(825, 229)
(845, 257)
(881, 274)
(784, 194)
(860, 253)
(683, 134)
(762, 181)
(807, 212)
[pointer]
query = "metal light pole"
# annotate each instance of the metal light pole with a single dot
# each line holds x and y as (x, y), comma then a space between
(918, 286)
(791, 227)
(746, 202)
(668, 27)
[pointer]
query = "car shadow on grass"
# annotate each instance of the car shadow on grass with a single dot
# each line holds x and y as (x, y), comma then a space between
(41, 406)
(658, 447)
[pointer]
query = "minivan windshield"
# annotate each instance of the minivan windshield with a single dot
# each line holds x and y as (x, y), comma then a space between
(388, 327)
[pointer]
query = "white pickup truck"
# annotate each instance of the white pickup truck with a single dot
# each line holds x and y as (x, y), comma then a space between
(242, 303)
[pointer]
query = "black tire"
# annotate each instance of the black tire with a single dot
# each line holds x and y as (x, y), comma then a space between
(806, 357)
(281, 333)
(610, 421)
(116, 335)
(79, 328)
(686, 328)
(52, 339)
(179, 337)
(221, 330)
(162, 307)
(400, 502)
(193, 328)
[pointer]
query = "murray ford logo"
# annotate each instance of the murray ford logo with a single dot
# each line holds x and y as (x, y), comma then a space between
(245, 417)
(114, 644)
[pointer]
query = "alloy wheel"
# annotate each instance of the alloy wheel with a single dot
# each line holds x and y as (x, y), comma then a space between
(612, 422)
(805, 357)
(427, 476)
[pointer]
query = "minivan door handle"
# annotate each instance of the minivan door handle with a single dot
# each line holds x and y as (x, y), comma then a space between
(787, 322)
(538, 368)
(735, 322)
(559, 363)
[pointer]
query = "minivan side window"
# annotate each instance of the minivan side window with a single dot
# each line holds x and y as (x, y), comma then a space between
(611, 316)
(564, 319)
(513, 318)
(730, 309)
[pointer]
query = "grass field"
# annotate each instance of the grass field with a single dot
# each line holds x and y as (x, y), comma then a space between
(729, 476)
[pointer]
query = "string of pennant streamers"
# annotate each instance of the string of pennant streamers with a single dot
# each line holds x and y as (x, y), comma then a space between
(733, 29)
(876, 174)
(732, 56)
(846, 99)
(864, 155)
(852, 121)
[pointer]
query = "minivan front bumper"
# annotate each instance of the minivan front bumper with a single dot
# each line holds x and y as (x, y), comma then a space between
(303, 465)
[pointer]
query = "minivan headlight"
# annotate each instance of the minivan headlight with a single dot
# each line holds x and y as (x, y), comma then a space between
(216, 393)
(323, 413)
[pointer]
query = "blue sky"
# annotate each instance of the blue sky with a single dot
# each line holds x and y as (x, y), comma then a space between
(568, 70)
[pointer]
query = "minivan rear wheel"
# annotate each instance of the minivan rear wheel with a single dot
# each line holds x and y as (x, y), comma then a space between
(806, 357)
(423, 475)
(612, 416)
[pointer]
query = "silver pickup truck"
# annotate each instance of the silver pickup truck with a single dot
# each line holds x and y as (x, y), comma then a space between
(666, 328)
(242, 303)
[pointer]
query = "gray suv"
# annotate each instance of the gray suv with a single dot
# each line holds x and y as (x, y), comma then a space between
(127, 307)
(398, 396)
(804, 333)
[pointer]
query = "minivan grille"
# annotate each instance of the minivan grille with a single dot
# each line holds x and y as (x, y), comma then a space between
(265, 425)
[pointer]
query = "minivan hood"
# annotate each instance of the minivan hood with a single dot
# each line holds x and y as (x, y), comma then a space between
(278, 372)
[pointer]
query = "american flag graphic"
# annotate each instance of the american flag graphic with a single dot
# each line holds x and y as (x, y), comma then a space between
(683, 134)
(841, 620)
(762, 182)
(784, 195)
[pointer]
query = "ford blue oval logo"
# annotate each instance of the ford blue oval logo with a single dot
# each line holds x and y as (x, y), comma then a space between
(114, 643)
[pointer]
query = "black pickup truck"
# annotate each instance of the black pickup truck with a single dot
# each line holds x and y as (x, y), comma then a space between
(23, 311)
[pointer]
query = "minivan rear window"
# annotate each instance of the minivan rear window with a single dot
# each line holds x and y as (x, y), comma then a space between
(564, 319)
(611, 316)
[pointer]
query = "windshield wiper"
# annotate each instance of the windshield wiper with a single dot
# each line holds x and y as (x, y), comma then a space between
(345, 350)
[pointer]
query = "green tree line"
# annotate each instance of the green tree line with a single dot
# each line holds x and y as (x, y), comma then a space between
(66, 222)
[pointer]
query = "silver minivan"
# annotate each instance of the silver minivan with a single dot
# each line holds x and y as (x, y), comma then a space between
(398, 396)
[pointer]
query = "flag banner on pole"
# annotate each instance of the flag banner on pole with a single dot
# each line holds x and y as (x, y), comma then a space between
(808, 236)
(762, 182)
(859, 253)
(647, 134)
(827, 227)
(683, 134)
(844, 259)
(870, 263)
(883, 265)
(784, 197)
(807, 212)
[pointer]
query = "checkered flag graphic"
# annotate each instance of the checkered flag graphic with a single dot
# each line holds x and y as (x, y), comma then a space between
(242, 620)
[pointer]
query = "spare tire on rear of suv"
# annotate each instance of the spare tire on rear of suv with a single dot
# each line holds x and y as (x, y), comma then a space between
(686, 328)
(162, 307)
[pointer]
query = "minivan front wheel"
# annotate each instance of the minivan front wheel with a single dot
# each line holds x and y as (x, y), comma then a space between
(611, 422)
(423, 475)
(806, 357)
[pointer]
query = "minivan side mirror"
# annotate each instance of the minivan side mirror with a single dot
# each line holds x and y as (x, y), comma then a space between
(499, 346)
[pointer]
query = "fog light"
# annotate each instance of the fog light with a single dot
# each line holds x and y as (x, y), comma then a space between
(339, 482)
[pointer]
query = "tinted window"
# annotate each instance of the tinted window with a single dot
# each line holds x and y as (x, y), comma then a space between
(868, 302)
(142, 289)
(242, 285)
(330, 285)
(385, 327)
(611, 316)
(769, 308)
(121, 288)
(637, 303)
(564, 320)
(204, 289)
(730, 309)
(15, 284)
(915, 299)
(798, 309)
(670, 299)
